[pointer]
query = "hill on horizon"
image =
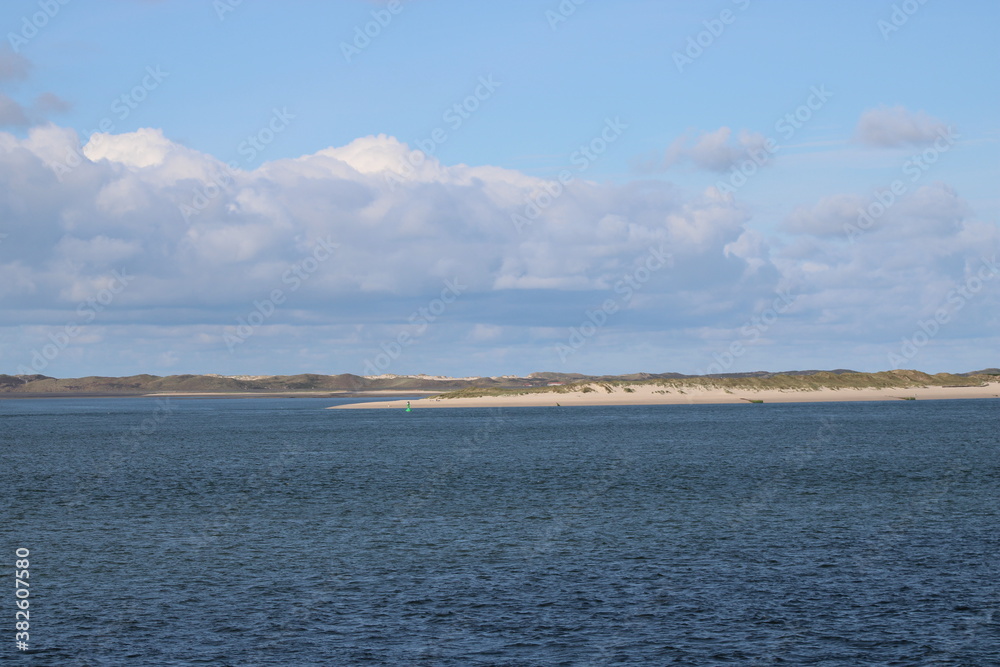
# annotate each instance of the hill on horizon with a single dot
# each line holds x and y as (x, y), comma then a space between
(137, 385)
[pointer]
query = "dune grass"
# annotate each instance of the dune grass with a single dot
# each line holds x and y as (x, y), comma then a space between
(815, 382)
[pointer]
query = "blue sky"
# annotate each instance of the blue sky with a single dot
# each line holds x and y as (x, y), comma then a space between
(248, 169)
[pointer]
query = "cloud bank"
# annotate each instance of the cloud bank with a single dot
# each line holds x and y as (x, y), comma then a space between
(314, 263)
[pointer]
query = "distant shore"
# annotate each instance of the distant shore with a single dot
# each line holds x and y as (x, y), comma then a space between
(190, 394)
(688, 395)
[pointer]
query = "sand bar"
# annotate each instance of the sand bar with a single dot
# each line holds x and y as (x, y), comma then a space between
(694, 395)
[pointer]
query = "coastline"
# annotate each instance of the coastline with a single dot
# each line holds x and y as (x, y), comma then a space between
(193, 394)
(688, 395)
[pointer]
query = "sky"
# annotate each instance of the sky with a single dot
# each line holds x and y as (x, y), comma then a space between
(489, 188)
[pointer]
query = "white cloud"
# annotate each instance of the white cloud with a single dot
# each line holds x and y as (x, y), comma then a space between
(891, 127)
(933, 210)
(99, 250)
(899, 270)
(400, 238)
(716, 150)
(831, 216)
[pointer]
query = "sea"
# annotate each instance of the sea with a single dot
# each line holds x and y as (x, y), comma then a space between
(271, 531)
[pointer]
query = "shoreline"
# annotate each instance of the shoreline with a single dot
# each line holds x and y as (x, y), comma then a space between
(694, 395)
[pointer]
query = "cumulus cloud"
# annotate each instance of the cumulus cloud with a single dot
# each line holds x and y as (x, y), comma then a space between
(892, 127)
(714, 151)
(930, 210)
(899, 269)
(142, 201)
(830, 216)
(202, 243)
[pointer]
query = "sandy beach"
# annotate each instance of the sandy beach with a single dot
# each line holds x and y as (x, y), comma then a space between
(659, 395)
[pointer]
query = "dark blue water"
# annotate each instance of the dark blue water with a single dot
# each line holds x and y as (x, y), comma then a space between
(273, 532)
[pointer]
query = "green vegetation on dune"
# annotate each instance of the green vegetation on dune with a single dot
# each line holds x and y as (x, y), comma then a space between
(814, 382)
